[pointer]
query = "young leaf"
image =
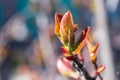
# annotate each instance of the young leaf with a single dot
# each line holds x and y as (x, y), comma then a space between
(66, 29)
(92, 50)
(58, 18)
(81, 42)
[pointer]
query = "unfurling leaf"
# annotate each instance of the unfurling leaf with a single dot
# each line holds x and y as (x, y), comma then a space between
(81, 42)
(92, 50)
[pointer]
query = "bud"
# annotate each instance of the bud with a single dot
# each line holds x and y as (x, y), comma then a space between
(75, 27)
(65, 52)
(100, 69)
(66, 69)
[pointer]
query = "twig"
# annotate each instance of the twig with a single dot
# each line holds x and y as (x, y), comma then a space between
(80, 66)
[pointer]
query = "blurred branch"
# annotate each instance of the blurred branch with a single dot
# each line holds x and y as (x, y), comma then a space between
(102, 36)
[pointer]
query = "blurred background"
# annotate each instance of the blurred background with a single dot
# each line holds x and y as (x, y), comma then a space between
(28, 46)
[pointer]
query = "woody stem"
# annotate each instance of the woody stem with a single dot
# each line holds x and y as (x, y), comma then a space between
(80, 66)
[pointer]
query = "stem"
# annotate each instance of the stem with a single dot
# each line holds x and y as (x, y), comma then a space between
(80, 66)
